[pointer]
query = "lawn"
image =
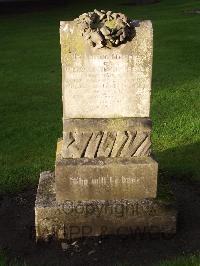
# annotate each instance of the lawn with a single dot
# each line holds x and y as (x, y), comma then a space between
(30, 84)
(193, 260)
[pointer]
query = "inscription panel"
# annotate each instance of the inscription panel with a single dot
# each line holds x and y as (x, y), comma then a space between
(108, 178)
(107, 83)
(104, 181)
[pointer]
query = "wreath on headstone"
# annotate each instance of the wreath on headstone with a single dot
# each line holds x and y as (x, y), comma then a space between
(105, 28)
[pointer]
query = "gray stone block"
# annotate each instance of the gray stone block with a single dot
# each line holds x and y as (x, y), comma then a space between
(79, 218)
(106, 83)
(111, 137)
(105, 178)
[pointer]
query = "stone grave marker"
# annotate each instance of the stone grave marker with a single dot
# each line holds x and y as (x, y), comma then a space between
(103, 161)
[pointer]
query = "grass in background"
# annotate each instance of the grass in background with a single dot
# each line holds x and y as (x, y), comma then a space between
(5, 261)
(30, 88)
(192, 260)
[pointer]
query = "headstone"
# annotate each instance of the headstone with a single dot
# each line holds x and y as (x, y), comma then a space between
(103, 160)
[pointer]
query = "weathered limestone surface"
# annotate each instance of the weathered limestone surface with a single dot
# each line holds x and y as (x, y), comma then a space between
(106, 83)
(78, 218)
(105, 178)
(96, 138)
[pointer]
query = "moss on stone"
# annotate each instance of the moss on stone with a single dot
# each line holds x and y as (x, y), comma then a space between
(111, 24)
(116, 123)
(71, 44)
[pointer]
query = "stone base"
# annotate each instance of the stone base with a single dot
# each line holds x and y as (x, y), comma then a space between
(105, 159)
(76, 219)
(105, 178)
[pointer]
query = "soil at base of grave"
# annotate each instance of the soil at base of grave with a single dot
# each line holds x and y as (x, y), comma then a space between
(18, 239)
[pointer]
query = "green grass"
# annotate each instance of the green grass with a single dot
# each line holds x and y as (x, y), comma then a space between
(192, 260)
(30, 88)
(5, 261)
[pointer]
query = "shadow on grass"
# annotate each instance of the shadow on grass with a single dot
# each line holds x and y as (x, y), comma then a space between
(181, 162)
(18, 238)
(18, 235)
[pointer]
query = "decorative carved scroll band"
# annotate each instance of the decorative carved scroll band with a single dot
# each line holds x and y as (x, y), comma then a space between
(106, 144)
